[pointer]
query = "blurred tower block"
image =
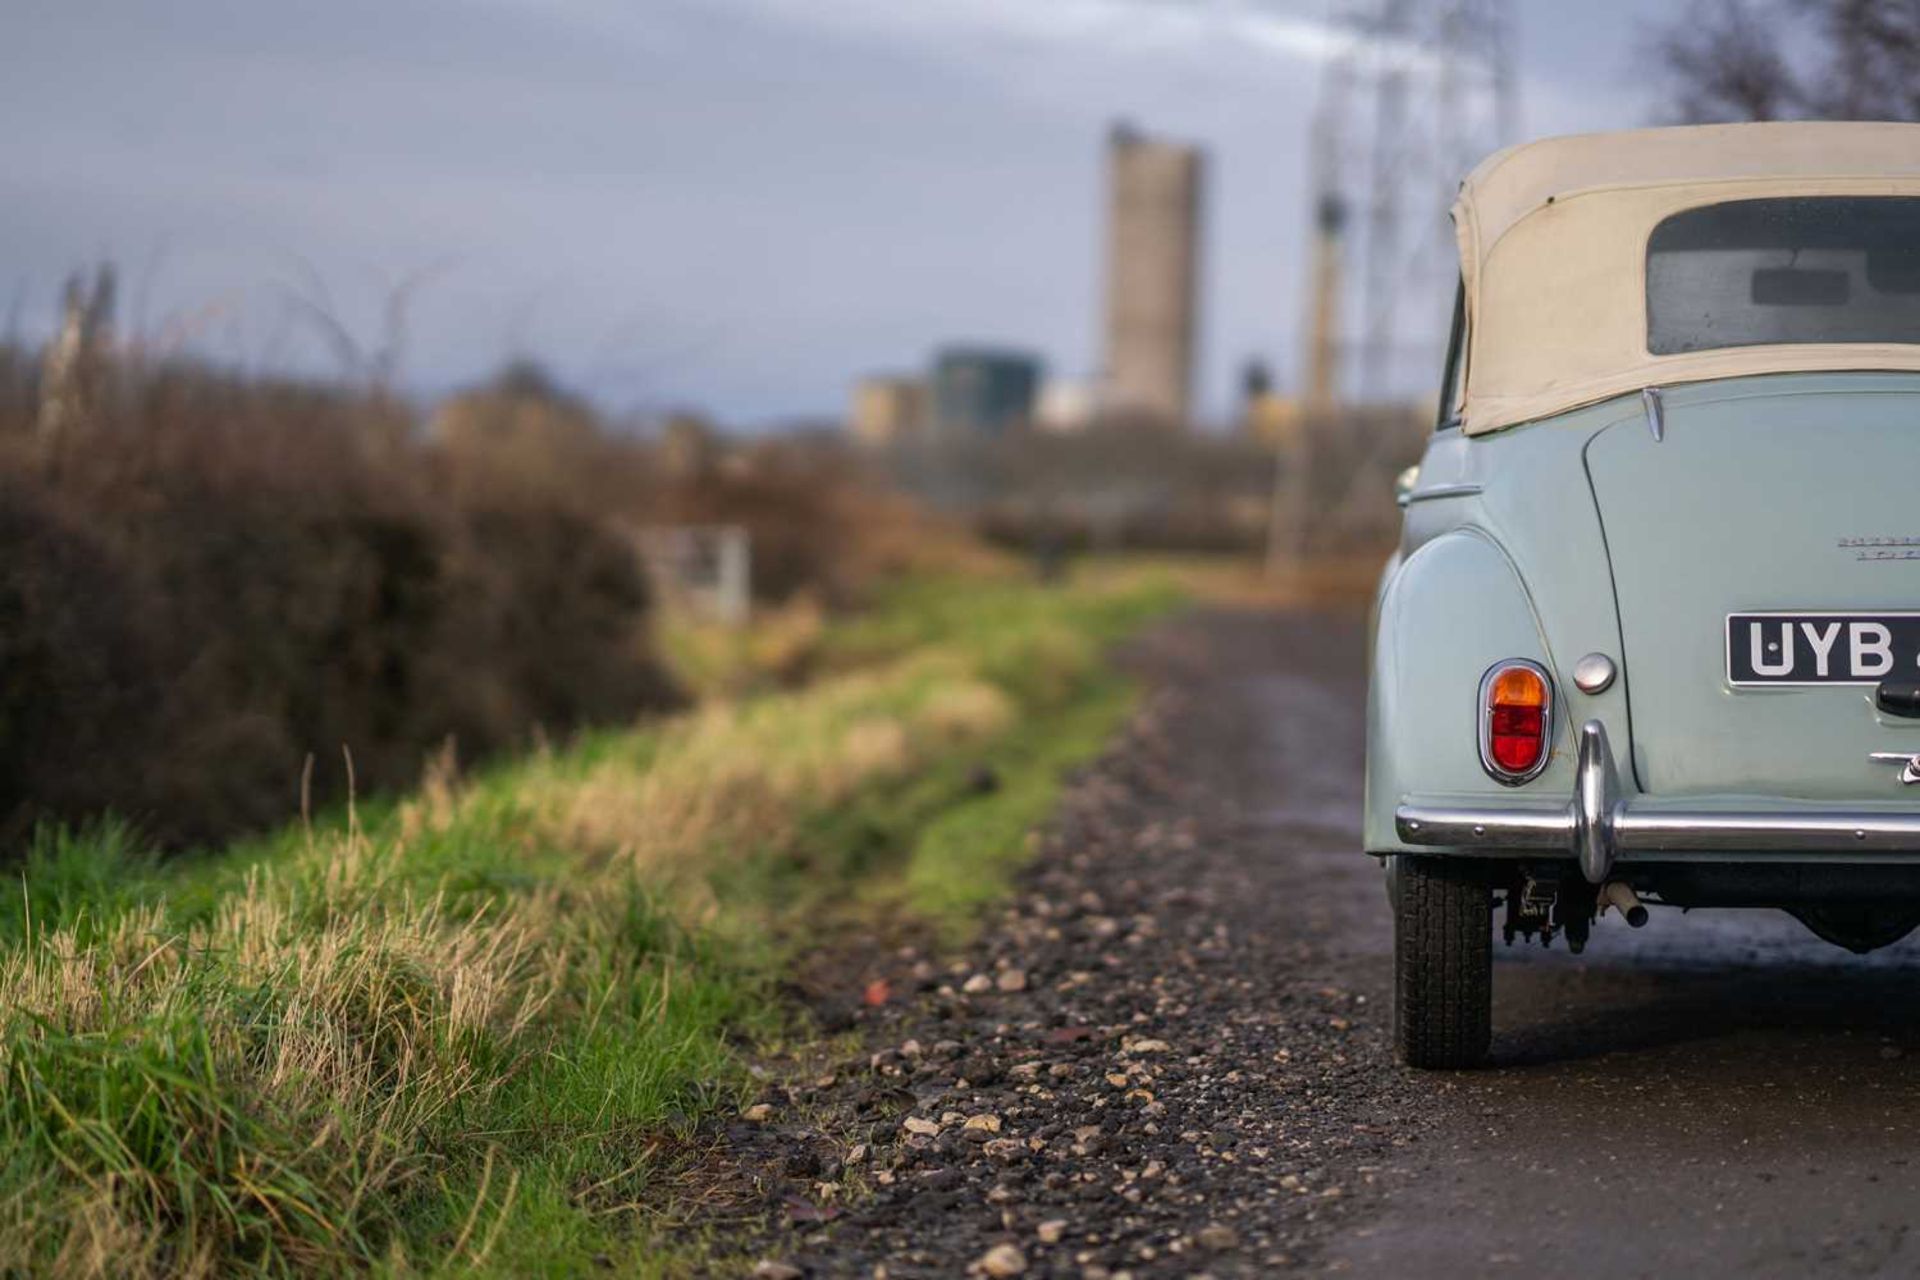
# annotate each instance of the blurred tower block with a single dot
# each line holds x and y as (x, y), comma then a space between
(983, 392)
(887, 410)
(1153, 276)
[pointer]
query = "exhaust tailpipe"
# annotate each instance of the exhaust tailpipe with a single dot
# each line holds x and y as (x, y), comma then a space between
(1619, 895)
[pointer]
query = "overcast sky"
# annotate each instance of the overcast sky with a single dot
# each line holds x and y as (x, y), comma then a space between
(731, 204)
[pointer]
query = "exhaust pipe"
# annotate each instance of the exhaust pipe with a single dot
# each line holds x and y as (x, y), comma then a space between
(1619, 895)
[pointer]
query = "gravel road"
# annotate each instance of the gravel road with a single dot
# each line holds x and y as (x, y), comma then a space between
(1169, 1057)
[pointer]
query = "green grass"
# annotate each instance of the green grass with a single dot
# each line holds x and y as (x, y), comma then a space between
(466, 1032)
(965, 854)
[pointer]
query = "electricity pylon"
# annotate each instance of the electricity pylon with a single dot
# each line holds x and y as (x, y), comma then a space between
(1417, 93)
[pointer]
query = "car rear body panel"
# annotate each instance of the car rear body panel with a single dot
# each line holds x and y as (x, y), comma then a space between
(1767, 494)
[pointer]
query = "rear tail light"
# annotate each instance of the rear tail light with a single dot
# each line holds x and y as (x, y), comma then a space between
(1516, 721)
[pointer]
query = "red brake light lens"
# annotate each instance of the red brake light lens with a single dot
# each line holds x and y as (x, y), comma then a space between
(1516, 715)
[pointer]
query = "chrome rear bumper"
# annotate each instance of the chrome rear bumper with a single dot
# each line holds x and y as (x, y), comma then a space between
(1598, 826)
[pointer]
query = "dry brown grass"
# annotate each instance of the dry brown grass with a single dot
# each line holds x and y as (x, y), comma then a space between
(730, 777)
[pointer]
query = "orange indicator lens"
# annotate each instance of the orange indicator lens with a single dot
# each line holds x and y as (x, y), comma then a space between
(1516, 721)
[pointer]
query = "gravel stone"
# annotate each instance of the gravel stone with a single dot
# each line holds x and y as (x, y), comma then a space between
(1001, 1261)
(1216, 1236)
(1180, 1065)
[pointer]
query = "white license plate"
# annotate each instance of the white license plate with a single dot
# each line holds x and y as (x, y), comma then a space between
(1822, 648)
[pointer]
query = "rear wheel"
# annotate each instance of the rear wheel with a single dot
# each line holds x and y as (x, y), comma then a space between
(1442, 961)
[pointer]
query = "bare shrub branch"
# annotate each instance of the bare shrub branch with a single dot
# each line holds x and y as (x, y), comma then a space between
(1730, 60)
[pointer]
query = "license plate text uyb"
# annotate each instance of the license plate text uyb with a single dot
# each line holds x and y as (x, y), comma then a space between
(1822, 648)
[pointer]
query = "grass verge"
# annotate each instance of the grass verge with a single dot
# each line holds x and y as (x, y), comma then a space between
(464, 1033)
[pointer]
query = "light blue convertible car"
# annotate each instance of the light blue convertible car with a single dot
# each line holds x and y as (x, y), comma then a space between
(1652, 635)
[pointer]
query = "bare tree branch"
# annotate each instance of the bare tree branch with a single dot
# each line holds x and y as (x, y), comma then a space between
(1792, 59)
(1873, 68)
(388, 359)
(313, 303)
(1722, 64)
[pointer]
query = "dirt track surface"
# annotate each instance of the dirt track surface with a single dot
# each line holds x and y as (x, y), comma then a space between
(1190, 1073)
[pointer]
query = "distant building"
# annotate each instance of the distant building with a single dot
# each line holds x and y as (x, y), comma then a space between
(1265, 414)
(983, 392)
(1066, 405)
(1153, 276)
(887, 410)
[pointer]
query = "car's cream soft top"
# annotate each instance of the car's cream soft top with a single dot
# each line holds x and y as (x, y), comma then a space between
(1553, 240)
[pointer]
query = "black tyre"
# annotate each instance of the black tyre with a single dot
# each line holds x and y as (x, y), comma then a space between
(1442, 962)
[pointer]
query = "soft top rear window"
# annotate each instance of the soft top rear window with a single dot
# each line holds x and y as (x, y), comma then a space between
(1799, 269)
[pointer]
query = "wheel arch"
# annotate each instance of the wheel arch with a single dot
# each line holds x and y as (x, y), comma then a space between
(1445, 613)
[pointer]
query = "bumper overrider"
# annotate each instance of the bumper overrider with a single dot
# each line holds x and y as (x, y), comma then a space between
(1599, 826)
